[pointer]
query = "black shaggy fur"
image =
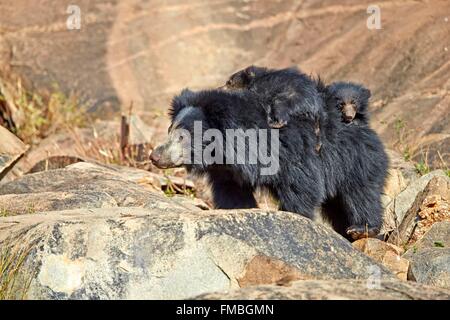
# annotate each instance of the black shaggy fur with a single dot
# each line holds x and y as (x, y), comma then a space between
(346, 178)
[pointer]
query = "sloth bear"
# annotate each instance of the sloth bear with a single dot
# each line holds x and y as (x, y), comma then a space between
(345, 179)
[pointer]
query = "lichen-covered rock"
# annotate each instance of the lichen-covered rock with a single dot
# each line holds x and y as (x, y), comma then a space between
(335, 290)
(135, 253)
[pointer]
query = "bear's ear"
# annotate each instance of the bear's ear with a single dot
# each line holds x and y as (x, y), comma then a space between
(254, 71)
(179, 102)
(331, 88)
(250, 72)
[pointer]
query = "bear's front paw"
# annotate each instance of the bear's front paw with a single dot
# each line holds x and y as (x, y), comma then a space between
(360, 232)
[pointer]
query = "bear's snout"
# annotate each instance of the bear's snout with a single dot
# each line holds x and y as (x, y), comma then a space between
(167, 155)
(155, 156)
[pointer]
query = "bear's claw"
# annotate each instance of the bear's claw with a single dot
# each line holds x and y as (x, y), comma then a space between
(360, 232)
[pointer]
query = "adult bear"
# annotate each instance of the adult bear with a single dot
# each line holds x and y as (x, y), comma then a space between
(345, 178)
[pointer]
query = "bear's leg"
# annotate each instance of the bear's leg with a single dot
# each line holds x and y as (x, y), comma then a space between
(333, 212)
(278, 115)
(297, 200)
(364, 212)
(230, 194)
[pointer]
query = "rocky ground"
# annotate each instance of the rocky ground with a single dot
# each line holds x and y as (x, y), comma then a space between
(86, 230)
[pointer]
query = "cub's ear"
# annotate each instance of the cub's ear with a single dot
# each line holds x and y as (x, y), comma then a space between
(179, 102)
(366, 93)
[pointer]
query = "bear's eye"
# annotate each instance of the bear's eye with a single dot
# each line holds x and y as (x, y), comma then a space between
(180, 138)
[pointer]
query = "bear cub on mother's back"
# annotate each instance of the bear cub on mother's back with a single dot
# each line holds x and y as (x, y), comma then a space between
(285, 93)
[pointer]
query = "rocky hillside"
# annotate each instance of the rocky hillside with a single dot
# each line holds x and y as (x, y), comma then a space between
(144, 52)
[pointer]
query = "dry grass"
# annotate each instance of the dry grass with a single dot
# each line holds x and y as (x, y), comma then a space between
(107, 150)
(420, 156)
(42, 115)
(14, 283)
(5, 212)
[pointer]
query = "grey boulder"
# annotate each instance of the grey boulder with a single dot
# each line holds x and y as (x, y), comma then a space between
(137, 253)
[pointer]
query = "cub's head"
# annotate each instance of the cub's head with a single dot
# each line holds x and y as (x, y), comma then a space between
(351, 99)
(244, 78)
(178, 149)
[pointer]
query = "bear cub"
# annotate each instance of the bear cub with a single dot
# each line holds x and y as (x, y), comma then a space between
(284, 93)
(352, 100)
(282, 103)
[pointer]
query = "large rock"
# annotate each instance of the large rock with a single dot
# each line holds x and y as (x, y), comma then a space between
(430, 257)
(385, 253)
(437, 236)
(430, 205)
(87, 185)
(336, 290)
(16, 204)
(434, 208)
(396, 210)
(118, 40)
(133, 253)
(430, 266)
(11, 150)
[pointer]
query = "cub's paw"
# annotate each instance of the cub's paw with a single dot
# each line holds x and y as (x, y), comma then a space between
(359, 232)
(277, 123)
